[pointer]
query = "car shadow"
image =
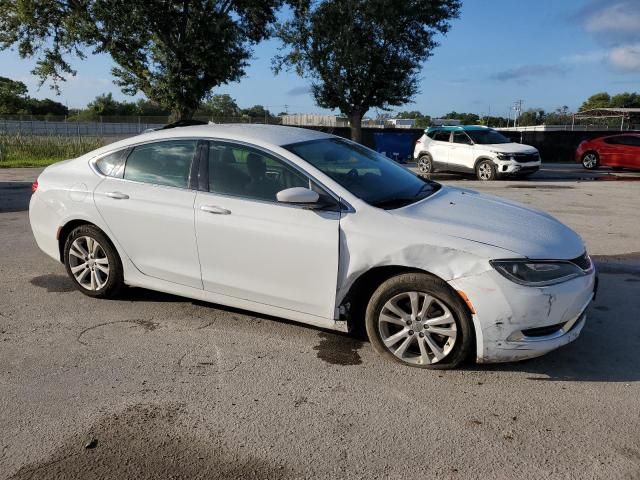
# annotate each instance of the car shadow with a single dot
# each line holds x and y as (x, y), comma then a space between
(608, 349)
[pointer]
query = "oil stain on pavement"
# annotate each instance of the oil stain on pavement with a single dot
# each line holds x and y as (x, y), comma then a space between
(149, 442)
(338, 349)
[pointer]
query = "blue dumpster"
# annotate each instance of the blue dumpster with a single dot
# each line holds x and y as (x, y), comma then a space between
(397, 146)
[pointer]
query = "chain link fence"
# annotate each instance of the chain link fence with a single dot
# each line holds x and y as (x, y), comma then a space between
(101, 126)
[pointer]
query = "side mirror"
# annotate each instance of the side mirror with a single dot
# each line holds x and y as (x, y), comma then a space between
(299, 195)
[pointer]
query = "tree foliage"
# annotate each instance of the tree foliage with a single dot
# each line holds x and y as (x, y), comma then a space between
(422, 121)
(220, 106)
(174, 51)
(362, 54)
(604, 100)
(14, 100)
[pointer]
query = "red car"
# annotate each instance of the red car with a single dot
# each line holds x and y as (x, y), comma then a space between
(617, 151)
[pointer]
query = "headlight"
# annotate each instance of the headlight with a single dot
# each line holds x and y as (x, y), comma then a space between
(504, 156)
(537, 273)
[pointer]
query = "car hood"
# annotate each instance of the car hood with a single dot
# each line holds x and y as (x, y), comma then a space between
(493, 221)
(508, 148)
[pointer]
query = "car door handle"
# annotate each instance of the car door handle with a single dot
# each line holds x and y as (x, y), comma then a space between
(117, 195)
(215, 210)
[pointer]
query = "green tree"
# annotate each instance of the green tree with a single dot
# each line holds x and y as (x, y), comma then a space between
(362, 54)
(46, 107)
(598, 100)
(220, 106)
(259, 113)
(174, 51)
(147, 108)
(465, 118)
(561, 116)
(625, 100)
(13, 96)
(422, 121)
(531, 117)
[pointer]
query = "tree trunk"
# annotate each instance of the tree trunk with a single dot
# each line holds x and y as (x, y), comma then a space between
(181, 113)
(355, 119)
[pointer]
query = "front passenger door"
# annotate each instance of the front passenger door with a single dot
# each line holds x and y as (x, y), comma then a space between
(254, 248)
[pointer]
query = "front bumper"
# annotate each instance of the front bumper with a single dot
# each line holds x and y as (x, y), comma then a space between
(511, 167)
(515, 322)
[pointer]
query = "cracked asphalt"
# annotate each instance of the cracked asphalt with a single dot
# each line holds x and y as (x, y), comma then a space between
(157, 386)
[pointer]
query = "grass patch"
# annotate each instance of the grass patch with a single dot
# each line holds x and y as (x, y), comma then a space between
(40, 151)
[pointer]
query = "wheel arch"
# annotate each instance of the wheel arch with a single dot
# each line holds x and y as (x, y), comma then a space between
(480, 159)
(67, 228)
(356, 299)
(587, 152)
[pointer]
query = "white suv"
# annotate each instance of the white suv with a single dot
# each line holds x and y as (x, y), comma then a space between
(474, 149)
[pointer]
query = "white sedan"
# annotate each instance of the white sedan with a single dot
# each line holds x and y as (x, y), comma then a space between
(314, 228)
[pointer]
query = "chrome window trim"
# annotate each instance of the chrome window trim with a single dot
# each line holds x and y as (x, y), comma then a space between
(348, 208)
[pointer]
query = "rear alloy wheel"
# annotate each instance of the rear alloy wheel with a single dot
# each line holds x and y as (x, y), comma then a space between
(92, 262)
(425, 164)
(415, 319)
(590, 160)
(486, 170)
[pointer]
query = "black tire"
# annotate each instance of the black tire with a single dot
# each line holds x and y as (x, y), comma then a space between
(590, 160)
(115, 278)
(425, 164)
(440, 291)
(486, 171)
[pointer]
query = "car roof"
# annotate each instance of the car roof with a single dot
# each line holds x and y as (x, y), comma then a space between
(272, 135)
(449, 128)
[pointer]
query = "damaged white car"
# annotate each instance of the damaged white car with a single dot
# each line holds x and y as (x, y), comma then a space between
(314, 228)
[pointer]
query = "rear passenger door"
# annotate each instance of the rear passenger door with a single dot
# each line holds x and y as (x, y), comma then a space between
(461, 156)
(147, 203)
(254, 248)
(439, 149)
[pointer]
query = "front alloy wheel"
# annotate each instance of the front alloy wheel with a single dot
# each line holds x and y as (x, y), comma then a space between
(418, 320)
(417, 328)
(486, 171)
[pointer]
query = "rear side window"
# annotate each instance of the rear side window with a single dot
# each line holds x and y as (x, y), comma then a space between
(112, 165)
(162, 163)
(441, 136)
(627, 140)
(461, 137)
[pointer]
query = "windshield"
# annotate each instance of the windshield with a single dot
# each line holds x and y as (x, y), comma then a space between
(487, 137)
(368, 175)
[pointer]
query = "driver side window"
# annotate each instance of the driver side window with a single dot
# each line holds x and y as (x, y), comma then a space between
(247, 172)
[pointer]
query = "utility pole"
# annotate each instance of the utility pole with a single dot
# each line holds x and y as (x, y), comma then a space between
(517, 106)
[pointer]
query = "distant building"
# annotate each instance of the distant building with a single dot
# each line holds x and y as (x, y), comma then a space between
(439, 122)
(401, 122)
(314, 120)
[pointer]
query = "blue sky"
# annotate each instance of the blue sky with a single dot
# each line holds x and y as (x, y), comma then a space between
(548, 53)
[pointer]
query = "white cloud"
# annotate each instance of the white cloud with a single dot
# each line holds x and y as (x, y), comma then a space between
(619, 18)
(626, 57)
(586, 57)
(616, 25)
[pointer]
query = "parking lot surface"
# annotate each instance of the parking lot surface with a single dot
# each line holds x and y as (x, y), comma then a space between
(156, 386)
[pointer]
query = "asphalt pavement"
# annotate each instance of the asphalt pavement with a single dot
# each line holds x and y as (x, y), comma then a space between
(157, 386)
